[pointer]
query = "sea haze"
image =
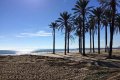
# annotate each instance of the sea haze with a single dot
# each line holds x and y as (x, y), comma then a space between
(44, 51)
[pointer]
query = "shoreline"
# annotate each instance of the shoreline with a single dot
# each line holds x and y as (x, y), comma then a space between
(42, 53)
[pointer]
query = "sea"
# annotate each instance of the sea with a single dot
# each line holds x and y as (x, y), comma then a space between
(44, 51)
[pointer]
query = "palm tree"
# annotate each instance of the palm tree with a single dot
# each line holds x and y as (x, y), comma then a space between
(90, 40)
(78, 31)
(93, 33)
(53, 25)
(90, 32)
(97, 13)
(93, 28)
(79, 34)
(69, 30)
(91, 25)
(106, 21)
(64, 21)
(81, 8)
(112, 5)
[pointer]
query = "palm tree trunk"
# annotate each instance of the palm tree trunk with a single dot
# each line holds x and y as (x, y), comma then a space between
(80, 41)
(112, 27)
(98, 37)
(90, 42)
(111, 42)
(105, 38)
(93, 42)
(68, 42)
(79, 44)
(53, 41)
(84, 34)
(65, 38)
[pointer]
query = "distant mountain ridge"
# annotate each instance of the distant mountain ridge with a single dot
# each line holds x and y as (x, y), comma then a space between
(118, 46)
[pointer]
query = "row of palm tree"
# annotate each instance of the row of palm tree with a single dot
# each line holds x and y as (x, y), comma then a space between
(89, 19)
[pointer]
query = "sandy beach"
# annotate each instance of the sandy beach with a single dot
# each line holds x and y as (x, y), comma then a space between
(59, 67)
(59, 39)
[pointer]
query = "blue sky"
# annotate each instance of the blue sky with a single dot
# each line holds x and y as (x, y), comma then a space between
(24, 24)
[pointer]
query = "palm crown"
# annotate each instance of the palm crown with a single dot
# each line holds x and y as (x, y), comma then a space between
(65, 19)
(53, 25)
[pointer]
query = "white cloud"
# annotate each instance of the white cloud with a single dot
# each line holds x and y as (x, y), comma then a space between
(36, 34)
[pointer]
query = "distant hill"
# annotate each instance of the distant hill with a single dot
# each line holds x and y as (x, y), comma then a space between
(7, 52)
(118, 47)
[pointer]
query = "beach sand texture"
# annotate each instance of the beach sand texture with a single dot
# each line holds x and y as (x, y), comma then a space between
(59, 67)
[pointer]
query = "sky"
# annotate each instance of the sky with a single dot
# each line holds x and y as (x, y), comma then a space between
(24, 24)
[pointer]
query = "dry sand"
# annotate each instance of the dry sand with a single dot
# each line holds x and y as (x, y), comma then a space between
(59, 67)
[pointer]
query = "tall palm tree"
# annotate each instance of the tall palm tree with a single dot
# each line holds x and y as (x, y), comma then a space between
(53, 25)
(79, 35)
(93, 38)
(98, 13)
(112, 5)
(81, 8)
(91, 24)
(93, 28)
(106, 21)
(90, 40)
(69, 30)
(64, 21)
(90, 32)
(78, 31)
